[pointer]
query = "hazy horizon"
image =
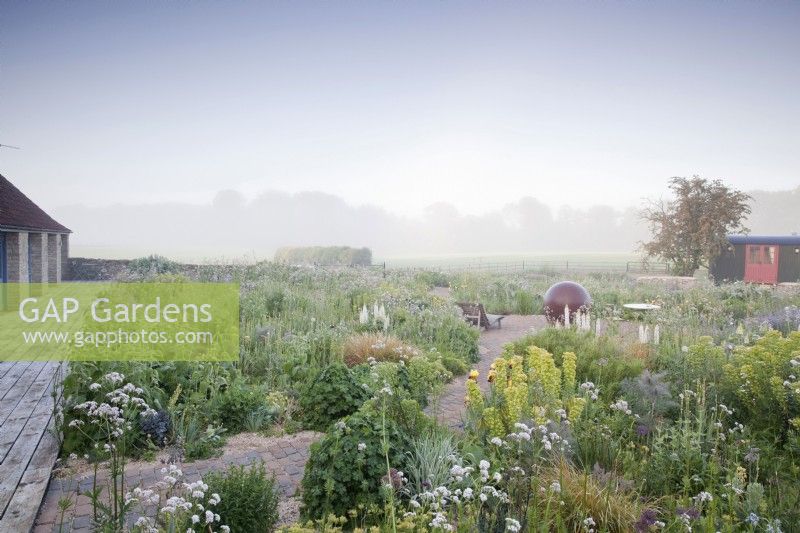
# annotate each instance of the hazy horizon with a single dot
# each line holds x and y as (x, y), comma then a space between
(233, 227)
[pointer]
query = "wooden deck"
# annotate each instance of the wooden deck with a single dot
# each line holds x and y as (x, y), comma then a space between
(28, 448)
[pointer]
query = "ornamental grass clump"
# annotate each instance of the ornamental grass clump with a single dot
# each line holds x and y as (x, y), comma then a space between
(359, 349)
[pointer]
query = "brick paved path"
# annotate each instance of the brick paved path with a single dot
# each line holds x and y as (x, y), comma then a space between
(449, 408)
(284, 456)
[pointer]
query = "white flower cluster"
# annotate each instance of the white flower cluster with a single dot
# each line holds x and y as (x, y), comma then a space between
(621, 406)
(378, 315)
(590, 389)
(191, 501)
(703, 497)
(112, 415)
(546, 437)
(463, 487)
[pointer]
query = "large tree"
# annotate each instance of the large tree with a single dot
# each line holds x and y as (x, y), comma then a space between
(689, 230)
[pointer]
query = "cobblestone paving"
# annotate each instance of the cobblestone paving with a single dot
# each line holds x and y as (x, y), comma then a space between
(284, 456)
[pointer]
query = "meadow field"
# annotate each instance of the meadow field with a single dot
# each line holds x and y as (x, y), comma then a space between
(683, 419)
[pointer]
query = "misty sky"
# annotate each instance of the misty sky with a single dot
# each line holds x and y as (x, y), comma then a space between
(397, 104)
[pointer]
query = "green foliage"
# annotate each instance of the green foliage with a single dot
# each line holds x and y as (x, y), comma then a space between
(446, 332)
(240, 405)
(499, 294)
(761, 381)
(329, 396)
(425, 377)
(324, 255)
(249, 498)
(456, 366)
(599, 359)
(153, 265)
(345, 468)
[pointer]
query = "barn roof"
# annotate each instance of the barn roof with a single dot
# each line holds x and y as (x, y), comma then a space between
(19, 213)
(780, 240)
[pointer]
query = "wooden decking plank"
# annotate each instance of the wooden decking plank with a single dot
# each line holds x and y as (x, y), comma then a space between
(5, 366)
(19, 390)
(21, 453)
(10, 378)
(16, 420)
(24, 505)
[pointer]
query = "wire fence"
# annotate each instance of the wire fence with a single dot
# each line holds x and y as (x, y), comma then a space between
(632, 267)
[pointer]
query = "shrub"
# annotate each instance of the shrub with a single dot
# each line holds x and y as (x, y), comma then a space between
(324, 255)
(456, 366)
(426, 376)
(153, 265)
(331, 395)
(345, 468)
(238, 406)
(156, 426)
(248, 498)
(762, 381)
(359, 349)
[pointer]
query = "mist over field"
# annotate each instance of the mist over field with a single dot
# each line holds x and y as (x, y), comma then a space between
(234, 227)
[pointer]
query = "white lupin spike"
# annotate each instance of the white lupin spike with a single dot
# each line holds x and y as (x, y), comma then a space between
(566, 316)
(363, 317)
(656, 335)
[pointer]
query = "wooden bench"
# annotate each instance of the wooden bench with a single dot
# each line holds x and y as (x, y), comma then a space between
(476, 315)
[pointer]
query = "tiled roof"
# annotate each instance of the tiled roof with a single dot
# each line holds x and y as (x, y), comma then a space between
(18, 212)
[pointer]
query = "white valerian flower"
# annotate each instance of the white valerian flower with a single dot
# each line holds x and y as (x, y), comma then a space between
(621, 406)
(497, 441)
(512, 525)
(555, 486)
(704, 496)
(362, 446)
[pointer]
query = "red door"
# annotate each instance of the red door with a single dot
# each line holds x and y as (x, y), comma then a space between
(761, 263)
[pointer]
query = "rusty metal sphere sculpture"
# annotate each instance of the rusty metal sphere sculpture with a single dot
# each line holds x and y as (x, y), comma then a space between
(563, 295)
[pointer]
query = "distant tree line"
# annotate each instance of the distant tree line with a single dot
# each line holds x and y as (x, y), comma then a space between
(324, 255)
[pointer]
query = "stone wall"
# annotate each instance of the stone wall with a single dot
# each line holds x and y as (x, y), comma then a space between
(89, 269)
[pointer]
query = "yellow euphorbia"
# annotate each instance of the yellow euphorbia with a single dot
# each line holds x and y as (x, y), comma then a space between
(543, 369)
